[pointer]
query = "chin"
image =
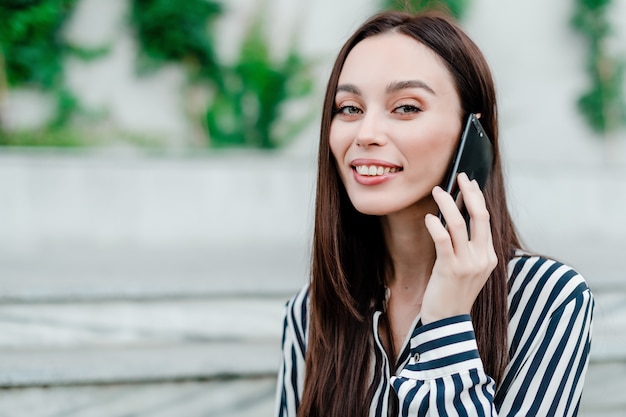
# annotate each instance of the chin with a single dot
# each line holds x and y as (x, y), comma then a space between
(375, 208)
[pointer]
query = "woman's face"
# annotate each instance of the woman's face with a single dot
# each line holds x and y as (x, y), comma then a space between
(397, 123)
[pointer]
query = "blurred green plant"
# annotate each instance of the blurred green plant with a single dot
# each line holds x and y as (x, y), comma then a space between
(603, 104)
(177, 31)
(32, 52)
(455, 7)
(249, 95)
(44, 137)
(247, 109)
(31, 43)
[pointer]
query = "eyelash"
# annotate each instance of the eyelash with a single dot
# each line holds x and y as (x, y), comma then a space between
(408, 109)
(342, 109)
(411, 109)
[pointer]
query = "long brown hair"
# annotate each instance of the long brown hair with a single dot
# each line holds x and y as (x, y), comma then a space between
(349, 256)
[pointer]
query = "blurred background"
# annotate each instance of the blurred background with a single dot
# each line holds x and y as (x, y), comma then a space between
(157, 164)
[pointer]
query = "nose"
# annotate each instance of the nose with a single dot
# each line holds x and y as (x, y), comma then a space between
(370, 131)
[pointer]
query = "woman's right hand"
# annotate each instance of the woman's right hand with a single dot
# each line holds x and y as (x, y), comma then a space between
(462, 266)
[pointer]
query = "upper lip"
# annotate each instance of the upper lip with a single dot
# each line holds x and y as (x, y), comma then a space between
(374, 162)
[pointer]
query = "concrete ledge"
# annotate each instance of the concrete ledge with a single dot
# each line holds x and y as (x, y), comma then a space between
(151, 201)
(107, 202)
(27, 368)
(222, 398)
(74, 273)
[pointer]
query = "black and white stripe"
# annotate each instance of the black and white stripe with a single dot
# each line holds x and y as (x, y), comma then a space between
(440, 371)
(291, 374)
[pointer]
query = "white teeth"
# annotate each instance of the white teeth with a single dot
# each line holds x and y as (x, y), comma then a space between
(374, 170)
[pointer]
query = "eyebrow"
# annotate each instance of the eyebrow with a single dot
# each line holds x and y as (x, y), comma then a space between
(401, 85)
(391, 88)
(349, 88)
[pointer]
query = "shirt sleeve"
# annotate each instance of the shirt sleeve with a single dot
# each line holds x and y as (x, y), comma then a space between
(290, 381)
(445, 374)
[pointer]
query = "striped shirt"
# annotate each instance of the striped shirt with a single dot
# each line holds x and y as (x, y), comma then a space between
(440, 371)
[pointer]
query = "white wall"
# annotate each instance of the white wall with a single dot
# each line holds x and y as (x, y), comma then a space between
(567, 186)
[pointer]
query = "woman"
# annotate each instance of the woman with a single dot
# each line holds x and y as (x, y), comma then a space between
(403, 315)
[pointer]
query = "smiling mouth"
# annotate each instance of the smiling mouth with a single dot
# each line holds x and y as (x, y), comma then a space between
(375, 170)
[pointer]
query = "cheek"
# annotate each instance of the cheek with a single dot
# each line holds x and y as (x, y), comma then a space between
(446, 147)
(434, 152)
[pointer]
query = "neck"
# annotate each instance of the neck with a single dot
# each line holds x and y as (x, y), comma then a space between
(412, 254)
(410, 248)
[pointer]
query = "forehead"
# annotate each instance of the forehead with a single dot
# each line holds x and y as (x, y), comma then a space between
(393, 57)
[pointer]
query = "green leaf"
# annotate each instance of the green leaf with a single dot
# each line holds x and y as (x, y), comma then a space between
(456, 8)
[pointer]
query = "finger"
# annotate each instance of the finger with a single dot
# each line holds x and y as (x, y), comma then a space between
(472, 194)
(440, 236)
(480, 229)
(455, 222)
(480, 224)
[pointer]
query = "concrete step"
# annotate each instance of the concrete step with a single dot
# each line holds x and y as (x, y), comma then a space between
(604, 387)
(249, 397)
(609, 332)
(88, 324)
(64, 308)
(220, 398)
(115, 341)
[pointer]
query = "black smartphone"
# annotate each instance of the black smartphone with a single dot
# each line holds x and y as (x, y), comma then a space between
(473, 156)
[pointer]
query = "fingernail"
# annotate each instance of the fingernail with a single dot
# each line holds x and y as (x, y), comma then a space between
(464, 176)
(430, 217)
